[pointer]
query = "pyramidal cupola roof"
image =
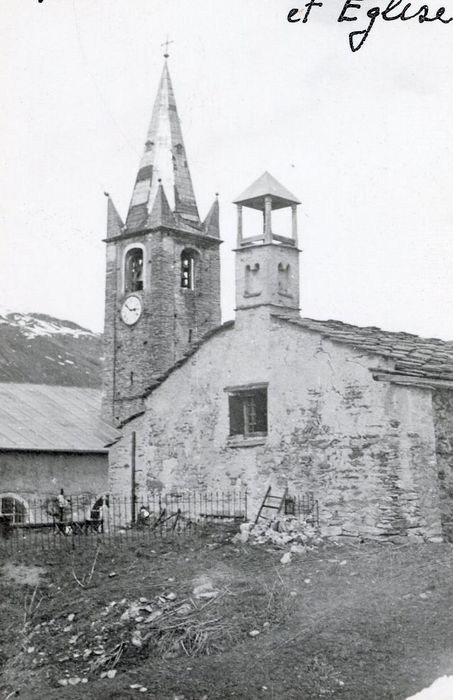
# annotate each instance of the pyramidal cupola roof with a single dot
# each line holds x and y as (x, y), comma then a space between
(163, 164)
(266, 185)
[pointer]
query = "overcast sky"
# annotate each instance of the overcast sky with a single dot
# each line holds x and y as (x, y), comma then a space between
(363, 139)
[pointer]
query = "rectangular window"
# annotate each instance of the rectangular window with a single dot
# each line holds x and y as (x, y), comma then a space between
(248, 411)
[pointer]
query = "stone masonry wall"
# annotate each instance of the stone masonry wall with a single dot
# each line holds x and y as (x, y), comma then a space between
(365, 448)
(443, 412)
(172, 317)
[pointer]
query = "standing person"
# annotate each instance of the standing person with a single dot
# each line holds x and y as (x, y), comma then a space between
(63, 506)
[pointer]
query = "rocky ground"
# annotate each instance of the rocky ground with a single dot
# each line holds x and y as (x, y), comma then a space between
(208, 616)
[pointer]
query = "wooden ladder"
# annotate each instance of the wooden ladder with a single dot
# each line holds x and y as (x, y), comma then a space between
(268, 502)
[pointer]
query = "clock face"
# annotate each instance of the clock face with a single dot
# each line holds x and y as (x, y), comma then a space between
(131, 310)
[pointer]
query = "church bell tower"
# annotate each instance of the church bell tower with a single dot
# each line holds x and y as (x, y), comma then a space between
(267, 264)
(163, 268)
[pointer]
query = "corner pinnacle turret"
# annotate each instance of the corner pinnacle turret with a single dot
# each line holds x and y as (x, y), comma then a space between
(164, 163)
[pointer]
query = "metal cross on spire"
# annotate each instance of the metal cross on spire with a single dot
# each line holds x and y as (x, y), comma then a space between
(166, 44)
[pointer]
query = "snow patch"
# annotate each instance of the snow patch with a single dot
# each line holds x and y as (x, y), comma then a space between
(441, 689)
(33, 326)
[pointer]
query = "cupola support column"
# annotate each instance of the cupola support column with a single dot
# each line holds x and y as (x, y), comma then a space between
(268, 219)
(239, 225)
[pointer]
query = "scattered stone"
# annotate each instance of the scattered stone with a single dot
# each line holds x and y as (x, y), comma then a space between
(342, 563)
(171, 596)
(286, 558)
(185, 609)
(154, 616)
(131, 612)
(245, 529)
(298, 549)
(137, 639)
(71, 617)
(204, 589)
(254, 633)
(208, 594)
(63, 681)
(74, 681)
(30, 650)
(112, 574)
(111, 673)
(424, 596)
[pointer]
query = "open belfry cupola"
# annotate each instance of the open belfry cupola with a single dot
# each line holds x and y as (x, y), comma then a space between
(267, 264)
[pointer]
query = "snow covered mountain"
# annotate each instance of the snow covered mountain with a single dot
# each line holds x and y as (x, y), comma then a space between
(40, 349)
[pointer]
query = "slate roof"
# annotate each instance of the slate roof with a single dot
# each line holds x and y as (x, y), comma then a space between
(413, 356)
(428, 358)
(52, 418)
(266, 184)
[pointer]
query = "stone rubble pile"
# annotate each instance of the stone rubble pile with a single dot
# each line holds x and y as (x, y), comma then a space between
(283, 530)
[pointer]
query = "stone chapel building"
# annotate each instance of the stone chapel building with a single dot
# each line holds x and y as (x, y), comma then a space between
(360, 416)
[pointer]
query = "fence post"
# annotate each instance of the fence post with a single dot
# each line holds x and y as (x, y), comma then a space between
(133, 496)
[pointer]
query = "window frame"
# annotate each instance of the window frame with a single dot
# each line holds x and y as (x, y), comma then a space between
(191, 255)
(124, 271)
(19, 512)
(248, 420)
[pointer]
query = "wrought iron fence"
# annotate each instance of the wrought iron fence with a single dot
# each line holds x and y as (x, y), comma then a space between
(303, 506)
(75, 521)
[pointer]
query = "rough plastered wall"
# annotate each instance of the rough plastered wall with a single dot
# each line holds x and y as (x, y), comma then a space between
(38, 475)
(443, 413)
(365, 448)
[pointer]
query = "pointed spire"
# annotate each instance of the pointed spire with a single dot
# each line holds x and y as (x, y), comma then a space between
(161, 214)
(211, 224)
(164, 159)
(114, 222)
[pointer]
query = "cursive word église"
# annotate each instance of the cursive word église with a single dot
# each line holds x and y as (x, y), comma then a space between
(395, 10)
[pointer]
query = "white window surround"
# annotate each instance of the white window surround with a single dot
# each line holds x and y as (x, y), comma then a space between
(129, 247)
(15, 497)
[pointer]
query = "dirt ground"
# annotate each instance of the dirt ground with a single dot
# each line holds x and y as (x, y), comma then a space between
(348, 622)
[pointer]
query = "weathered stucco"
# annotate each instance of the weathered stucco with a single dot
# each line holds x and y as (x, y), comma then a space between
(365, 448)
(39, 475)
